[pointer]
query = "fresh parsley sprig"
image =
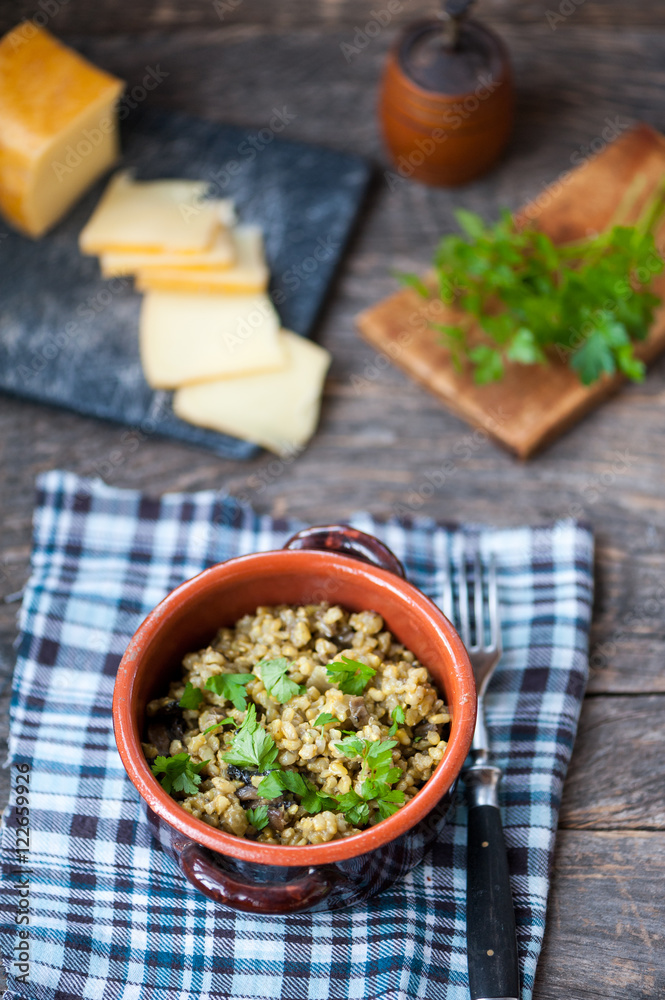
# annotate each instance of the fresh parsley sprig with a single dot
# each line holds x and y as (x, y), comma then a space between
(252, 745)
(377, 774)
(232, 687)
(278, 685)
(222, 722)
(191, 697)
(587, 302)
(180, 772)
(398, 717)
(351, 676)
(258, 817)
(325, 718)
(311, 799)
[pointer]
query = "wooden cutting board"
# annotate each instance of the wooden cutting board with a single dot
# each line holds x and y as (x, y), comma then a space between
(533, 404)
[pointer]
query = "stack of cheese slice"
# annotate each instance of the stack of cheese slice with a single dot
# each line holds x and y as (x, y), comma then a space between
(208, 329)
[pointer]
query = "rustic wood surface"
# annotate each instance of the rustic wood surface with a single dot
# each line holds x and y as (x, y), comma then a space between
(600, 67)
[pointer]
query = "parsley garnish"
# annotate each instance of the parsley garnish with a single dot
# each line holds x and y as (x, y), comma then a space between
(351, 676)
(588, 301)
(398, 718)
(377, 775)
(222, 722)
(191, 697)
(231, 687)
(325, 718)
(277, 684)
(252, 745)
(258, 817)
(181, 774)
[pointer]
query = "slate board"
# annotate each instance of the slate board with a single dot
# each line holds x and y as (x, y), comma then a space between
(68, 337)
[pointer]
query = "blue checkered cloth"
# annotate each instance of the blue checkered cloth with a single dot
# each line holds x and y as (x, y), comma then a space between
(111, 917)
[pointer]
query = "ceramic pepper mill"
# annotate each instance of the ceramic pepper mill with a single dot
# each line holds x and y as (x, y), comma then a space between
(446, 103)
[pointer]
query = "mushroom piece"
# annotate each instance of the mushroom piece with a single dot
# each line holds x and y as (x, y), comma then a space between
(358, 711)
(247, 795)
(276, 817)
(166, 725)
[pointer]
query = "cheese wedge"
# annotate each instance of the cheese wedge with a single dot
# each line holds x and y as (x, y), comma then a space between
(195, 338)
(221, 254)
(151, 216)
(278, 410)
(58, 127)
(249, 274)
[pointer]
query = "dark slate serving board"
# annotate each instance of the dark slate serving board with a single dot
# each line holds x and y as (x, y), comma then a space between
(70, 338)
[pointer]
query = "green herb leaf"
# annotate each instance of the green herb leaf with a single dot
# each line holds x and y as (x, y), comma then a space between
(180, 772)
(315, 801)
(192, 697)
(270, 787)
(252, 745)
(398, 717)
(588, 301)
(279, 781)
(258, 817)
(351, 676)
(325, 718)
(231, 687)
(277, 684)
(487, 364)
(413, 281)
(216, 725)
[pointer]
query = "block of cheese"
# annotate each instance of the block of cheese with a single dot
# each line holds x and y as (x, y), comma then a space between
(151, 216)
(249, 274)
(278, 410)
(58, 127)
(195, 338)
(222, 253)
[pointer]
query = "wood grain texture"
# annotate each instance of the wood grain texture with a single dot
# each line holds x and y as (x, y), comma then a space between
(605, 934)
(106, 17)
(379, 439)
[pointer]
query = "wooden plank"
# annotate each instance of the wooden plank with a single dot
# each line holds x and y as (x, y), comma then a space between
(111, 17)
(616, 779)
(604, 937)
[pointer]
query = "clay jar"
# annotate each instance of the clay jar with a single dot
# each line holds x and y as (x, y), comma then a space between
(446, 107)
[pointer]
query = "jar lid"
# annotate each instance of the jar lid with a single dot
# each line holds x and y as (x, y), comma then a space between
(455, 65)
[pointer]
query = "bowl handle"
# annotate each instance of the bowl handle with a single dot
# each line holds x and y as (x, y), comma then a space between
(252, 897)
(349, 542)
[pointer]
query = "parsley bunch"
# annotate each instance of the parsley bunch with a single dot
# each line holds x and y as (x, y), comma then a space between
(587, 301)
(377, 775)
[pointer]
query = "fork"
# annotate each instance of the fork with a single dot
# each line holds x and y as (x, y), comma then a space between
(490, 917)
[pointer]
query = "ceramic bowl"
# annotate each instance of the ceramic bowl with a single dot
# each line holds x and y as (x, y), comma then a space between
(330, 563)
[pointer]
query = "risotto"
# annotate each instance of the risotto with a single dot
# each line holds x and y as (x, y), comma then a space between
(299, 725)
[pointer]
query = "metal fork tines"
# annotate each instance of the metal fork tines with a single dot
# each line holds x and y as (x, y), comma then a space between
(482, 638)
(491, 938)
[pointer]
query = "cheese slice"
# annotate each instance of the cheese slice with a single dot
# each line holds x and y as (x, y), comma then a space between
(151, 216)
(278, 410)
(249, 274)
(195, 338)
(222, 254)
(58, 127)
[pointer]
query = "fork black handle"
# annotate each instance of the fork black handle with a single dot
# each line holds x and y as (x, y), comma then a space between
(490, 917)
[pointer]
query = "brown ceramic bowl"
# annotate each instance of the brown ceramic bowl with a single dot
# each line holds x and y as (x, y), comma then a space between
(335, 564)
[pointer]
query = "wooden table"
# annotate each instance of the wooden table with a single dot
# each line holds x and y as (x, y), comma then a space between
(235, 61)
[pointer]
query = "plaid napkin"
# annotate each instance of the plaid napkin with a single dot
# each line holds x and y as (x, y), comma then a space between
(110, 916)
